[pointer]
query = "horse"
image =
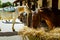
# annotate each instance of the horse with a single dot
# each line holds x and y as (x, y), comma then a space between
(45, 14)
(13, 15)
(19, 11)
(48, 16)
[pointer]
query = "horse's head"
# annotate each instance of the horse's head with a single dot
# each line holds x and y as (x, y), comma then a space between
(23, 11)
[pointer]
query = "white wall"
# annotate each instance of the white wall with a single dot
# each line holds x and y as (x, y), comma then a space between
(49, 3)
(58, 4)
(39, 3)
(3, 1)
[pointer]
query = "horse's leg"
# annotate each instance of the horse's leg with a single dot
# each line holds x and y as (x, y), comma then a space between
(50, 24)
(13, 22)
(0, 28)
(6, 21)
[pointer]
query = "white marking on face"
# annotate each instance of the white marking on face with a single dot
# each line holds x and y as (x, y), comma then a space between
(36, 10)
(32, 12)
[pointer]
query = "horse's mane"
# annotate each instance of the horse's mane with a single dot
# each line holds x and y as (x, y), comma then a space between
(47, 11)
(51, 16)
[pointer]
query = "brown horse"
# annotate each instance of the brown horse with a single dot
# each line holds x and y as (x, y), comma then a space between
(48, 16)
(51, 19)
(34, 19)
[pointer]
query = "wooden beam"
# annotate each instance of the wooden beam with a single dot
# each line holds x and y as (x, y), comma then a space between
(54, 4)
(44, 3)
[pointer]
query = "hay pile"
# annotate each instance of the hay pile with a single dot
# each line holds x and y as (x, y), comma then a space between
(40, 34)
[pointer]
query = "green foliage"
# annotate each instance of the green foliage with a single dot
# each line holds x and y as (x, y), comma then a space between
(0, 4)
(5, 4)
(9, 4)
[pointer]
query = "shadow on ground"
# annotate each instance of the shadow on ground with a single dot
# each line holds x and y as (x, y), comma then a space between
(11, 22)
(8, 33)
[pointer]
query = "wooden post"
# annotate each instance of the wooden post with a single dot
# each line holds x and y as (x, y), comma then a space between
(44, 3)
(55, 6)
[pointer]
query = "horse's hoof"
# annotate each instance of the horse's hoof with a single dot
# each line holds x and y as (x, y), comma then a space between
(0, 29)
(13, 30)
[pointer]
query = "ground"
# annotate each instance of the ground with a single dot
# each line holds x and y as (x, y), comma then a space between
(7, 27)
(16, 37)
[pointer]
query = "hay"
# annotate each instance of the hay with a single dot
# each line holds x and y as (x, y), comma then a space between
(40, 34)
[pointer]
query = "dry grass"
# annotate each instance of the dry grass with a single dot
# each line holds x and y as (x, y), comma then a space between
(40, 34)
